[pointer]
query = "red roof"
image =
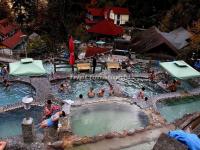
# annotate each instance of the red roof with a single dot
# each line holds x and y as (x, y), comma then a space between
(93, 1)
(6, 27)
(88, 21)
(92, 51)
(3, 20)
(120, 10)
(106, 27)
(99, 12)
(13, 41)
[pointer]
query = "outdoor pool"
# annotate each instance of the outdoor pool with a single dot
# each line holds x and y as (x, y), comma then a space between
(10, 122)
(139, 68)
(14, 93)
(104, 118)
(79, 87)
(177, 108)
(131, 87)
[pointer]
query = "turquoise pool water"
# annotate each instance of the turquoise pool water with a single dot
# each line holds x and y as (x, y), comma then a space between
(10, 122)
(79, 87)
(177, 108)
(138, 68)
(131, 87)
(14, 93)
(103, 118)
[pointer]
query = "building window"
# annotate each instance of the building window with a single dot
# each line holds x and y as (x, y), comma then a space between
(118, 17)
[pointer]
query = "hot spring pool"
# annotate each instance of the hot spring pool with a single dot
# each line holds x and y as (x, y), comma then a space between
(10, 122)
(177, 108)
(103, 118)
(80, 87)
(14, 93)
(131, 87)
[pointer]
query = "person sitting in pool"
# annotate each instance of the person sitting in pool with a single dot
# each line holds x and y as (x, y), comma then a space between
(91, 93)
(67, 85)
(141, 93)
(53, 120)
(101, 93)
(152, 76)
(173, 86)
(6, 83)
(49, 109)
(111, 92)
(2, 145)
(62, 87)
(80, 96)
(146, 99)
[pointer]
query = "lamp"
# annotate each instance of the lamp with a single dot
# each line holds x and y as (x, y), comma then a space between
(27, 102)
(27, 123)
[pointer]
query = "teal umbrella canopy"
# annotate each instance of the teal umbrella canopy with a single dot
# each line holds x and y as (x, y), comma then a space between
(180, 69)
(77, 42)
(100, 42)
(27, 67)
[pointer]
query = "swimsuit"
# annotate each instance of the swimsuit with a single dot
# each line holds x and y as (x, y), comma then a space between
(50, 123)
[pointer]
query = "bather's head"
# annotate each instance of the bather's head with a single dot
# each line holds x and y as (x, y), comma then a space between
(81, 96)
(62, 114)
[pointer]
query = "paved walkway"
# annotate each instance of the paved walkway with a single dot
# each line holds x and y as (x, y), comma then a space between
(129, 141)
(7, 60)
(42, 87)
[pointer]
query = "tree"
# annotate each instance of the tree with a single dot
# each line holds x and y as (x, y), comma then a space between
(25, 11)
(146, 13)
(195, 40)
(182, 14)
(4, 10)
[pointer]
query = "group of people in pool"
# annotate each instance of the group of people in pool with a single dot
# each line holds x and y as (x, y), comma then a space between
(64, 86)
(91, 93)
(172, 86)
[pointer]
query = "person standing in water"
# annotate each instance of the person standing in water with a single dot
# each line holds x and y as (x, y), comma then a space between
(94, 63)
(141, 93)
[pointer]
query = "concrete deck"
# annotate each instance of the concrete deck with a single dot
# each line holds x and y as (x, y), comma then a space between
(132, 142)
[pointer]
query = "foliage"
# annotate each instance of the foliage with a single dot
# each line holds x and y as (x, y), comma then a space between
(195, 40)
(182, 14)
(4, 10)
(25, 11)
(146, 13)
(35, 44)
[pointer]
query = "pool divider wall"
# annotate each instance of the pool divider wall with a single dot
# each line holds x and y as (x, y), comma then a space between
(77, 141)
(65, 131)
(174, 95)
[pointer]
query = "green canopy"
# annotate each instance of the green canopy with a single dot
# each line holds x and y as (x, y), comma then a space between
(180, 70)
(27, 67)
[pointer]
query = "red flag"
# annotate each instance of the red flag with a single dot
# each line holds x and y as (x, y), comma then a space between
(71, 45)
(71, 50)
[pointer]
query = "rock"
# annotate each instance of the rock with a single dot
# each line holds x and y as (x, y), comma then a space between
(131, 132)
(86, 140)
(109, 135)
(164, 142)
(57, 144)
(99, 137)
